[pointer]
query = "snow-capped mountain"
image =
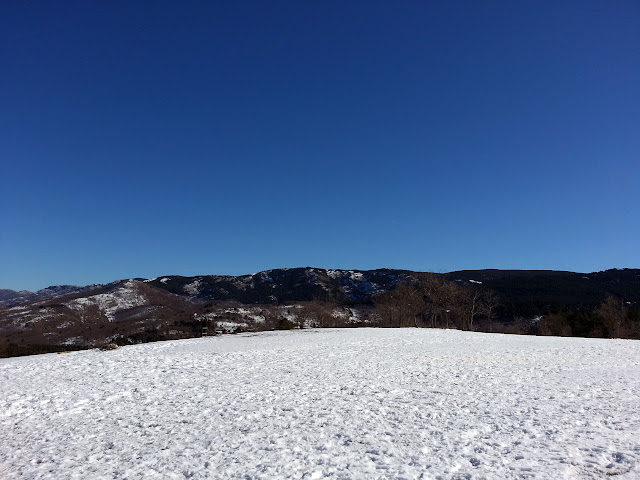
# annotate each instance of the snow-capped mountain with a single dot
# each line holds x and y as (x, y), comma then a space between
(91, 315)
(172, 306)
(286, 285)
(10, 297)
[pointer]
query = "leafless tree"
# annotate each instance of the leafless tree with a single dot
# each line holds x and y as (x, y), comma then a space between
(434, 291)
(555, 324)
(320, 313)
(614, 312)
(473, 301)
(488, 306)
(400, 307)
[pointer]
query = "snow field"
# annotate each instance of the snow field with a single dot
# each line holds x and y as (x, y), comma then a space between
(338, 404)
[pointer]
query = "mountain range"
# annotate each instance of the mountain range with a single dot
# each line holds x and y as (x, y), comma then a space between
(171, 307)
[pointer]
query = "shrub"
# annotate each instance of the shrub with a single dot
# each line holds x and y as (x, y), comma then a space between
(285, 324)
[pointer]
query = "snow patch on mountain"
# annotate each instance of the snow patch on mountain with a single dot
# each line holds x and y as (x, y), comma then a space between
(357, 276)
(252, 314)
(335, 274)
(230, 327)
(194, 287)
(124, 297)
(350, 315)
(17, 309)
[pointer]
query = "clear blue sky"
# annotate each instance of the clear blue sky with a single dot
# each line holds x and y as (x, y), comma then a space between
(142, 138)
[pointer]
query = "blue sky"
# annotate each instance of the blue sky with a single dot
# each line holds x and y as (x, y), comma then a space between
(140, 139)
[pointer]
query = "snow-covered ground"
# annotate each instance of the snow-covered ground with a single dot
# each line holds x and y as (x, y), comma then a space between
(340, 404)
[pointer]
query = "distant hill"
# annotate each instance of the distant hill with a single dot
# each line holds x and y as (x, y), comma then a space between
(287, 285)
(173, 306)
(533, 292)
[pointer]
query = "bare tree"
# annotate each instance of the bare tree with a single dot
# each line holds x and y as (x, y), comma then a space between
(400, 307)
(488, 306)
(434, 290)
(320, 313)
(473, 300)
(441, 303)
(555, 324)
(614, 312)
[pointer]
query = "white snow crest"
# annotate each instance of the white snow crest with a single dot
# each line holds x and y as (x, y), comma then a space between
(357, 276)
(334, 274)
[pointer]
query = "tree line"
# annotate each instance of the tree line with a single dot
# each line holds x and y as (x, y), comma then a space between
(432, 301)
(435, 302)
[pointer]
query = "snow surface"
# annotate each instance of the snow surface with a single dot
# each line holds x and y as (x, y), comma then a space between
(339, 404)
